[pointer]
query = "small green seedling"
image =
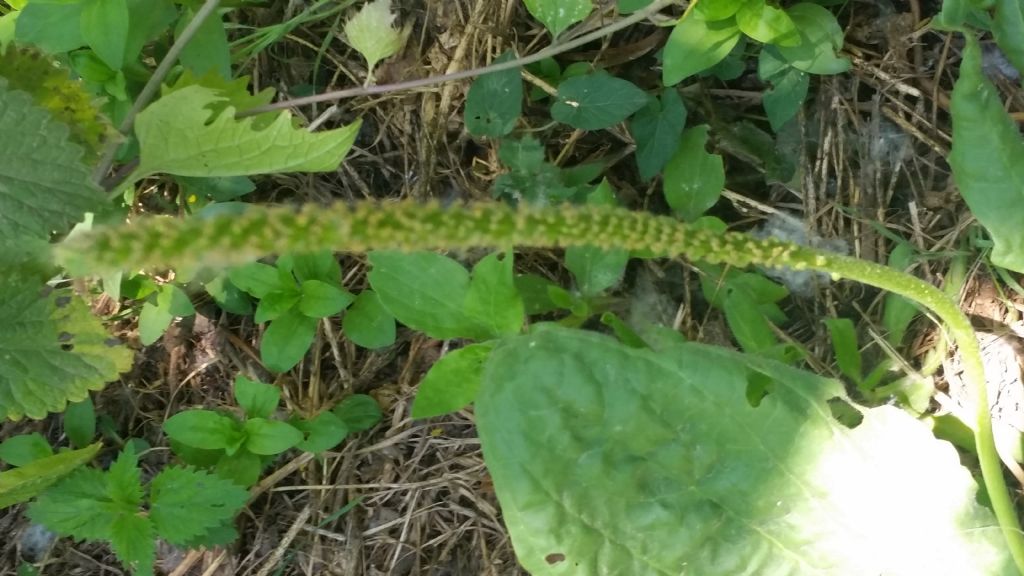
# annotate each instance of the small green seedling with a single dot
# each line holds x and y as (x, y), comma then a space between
(294, 294)
(183, 506)
(239, 448)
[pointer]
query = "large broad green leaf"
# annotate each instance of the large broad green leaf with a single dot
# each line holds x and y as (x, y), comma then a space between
(615, 460)
(988, 160)
(52, 350)
(177, 136)
(27, 482)
(44, 186)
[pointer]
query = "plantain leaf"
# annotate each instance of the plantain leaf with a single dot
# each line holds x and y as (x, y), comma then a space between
(988, 160)
(615, 460)
(178, 136)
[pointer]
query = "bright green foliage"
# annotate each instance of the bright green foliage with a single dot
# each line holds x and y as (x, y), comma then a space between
(183, 506)
(437, 296)
(205, 429)
(988, 160)
(52, 88)
(657, 129)
(719, 9)
(158, 312)
(694, 178)
(615, 460)
(844, 344)
(24, 449)
(1008, 28)
(320, 299)
(359, 412)
(788, 87)
(495, 101)
(596, 101)
(44, 185)
(821, 39)
(371, 32)
(52, 349)
(747, 323)
(207, 52)
(492, 301)
(322, 432)
(287, 340)
(256, 399)
(105, 29)
(368, 323)
(424, 291)
(697, 44)
(557, 15)
(187, 503)
(898, 312)
(231, 93)
(293, 295)
(452, 382)
(767, 24)
(238, 448)
(269, 437)
(80, 422)
(26, 482)
(750, 303)
(177, 136)
(53, 27)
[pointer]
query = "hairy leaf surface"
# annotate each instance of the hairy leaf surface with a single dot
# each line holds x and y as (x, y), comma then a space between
(44, 186)
(186, 503)
(615, 460)
(52, 350)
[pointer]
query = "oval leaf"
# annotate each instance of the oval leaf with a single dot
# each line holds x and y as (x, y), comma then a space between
(597, 101)
(615, 460)
(368, 323)
(452, 383)
(694, 178)
(203, 429)
(697, 44)
(270, 437)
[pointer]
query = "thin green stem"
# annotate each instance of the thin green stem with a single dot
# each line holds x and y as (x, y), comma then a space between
(152, 85)
(549, 52)
(228, 240)
(959, 329)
